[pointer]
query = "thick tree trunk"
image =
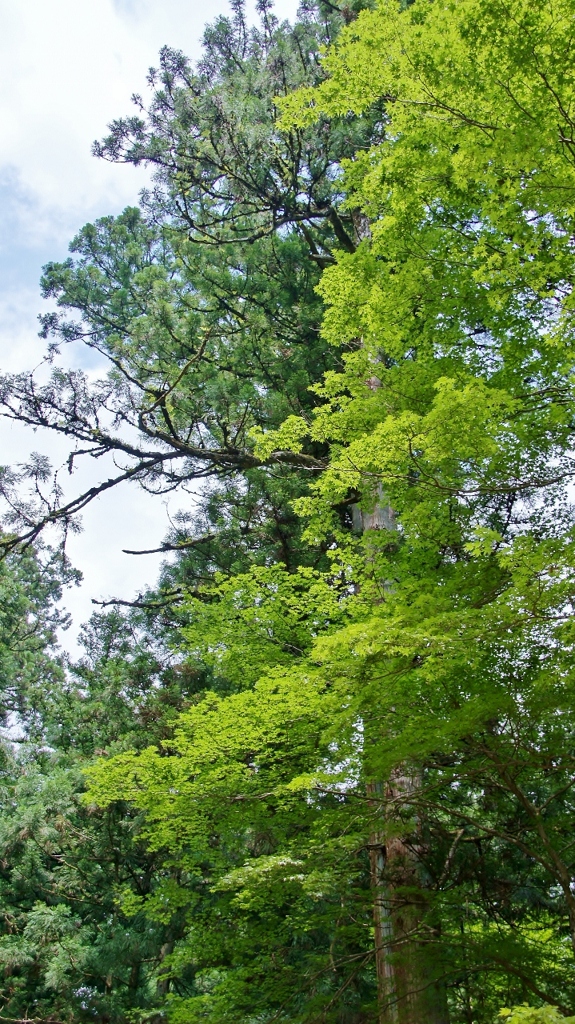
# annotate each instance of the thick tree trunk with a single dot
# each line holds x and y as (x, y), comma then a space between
(418, 987)
(409, 984)
(409, 988)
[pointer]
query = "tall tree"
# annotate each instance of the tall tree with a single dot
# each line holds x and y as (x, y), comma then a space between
(455, 401)
(204, 303)
(462, 301)
(205, 342)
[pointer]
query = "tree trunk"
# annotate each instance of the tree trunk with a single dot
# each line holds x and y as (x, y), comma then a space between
(410, 990)
(418, 986)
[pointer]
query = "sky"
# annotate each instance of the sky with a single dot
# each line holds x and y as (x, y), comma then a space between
(67, 68)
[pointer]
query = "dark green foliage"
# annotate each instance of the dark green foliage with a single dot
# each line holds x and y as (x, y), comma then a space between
(29, 619)
(68, 949)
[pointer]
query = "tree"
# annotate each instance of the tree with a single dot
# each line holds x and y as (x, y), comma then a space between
(74, 942)
(384, 715)
(461, 301)
(455, 402)
(30, 588)
(203, 305)
(205, 342)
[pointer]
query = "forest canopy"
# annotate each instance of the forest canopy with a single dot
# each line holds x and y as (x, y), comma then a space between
(323, 770)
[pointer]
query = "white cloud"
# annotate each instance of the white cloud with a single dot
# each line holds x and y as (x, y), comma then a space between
(67, 68)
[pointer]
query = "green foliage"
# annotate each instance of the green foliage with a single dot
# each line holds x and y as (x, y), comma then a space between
(29, 618)
(528, 1015)
(68, 949)
(202, 303)
(204, 343)
(378, 726)
(260, 619)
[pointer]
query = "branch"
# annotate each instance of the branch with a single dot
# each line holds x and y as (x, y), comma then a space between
(76, 505)
(182, 546)
(170, 595)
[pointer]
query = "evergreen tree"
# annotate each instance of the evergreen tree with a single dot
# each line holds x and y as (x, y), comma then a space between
(203, 303)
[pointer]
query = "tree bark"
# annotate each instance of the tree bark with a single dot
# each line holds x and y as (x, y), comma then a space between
(418, 986)
(409, 988)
